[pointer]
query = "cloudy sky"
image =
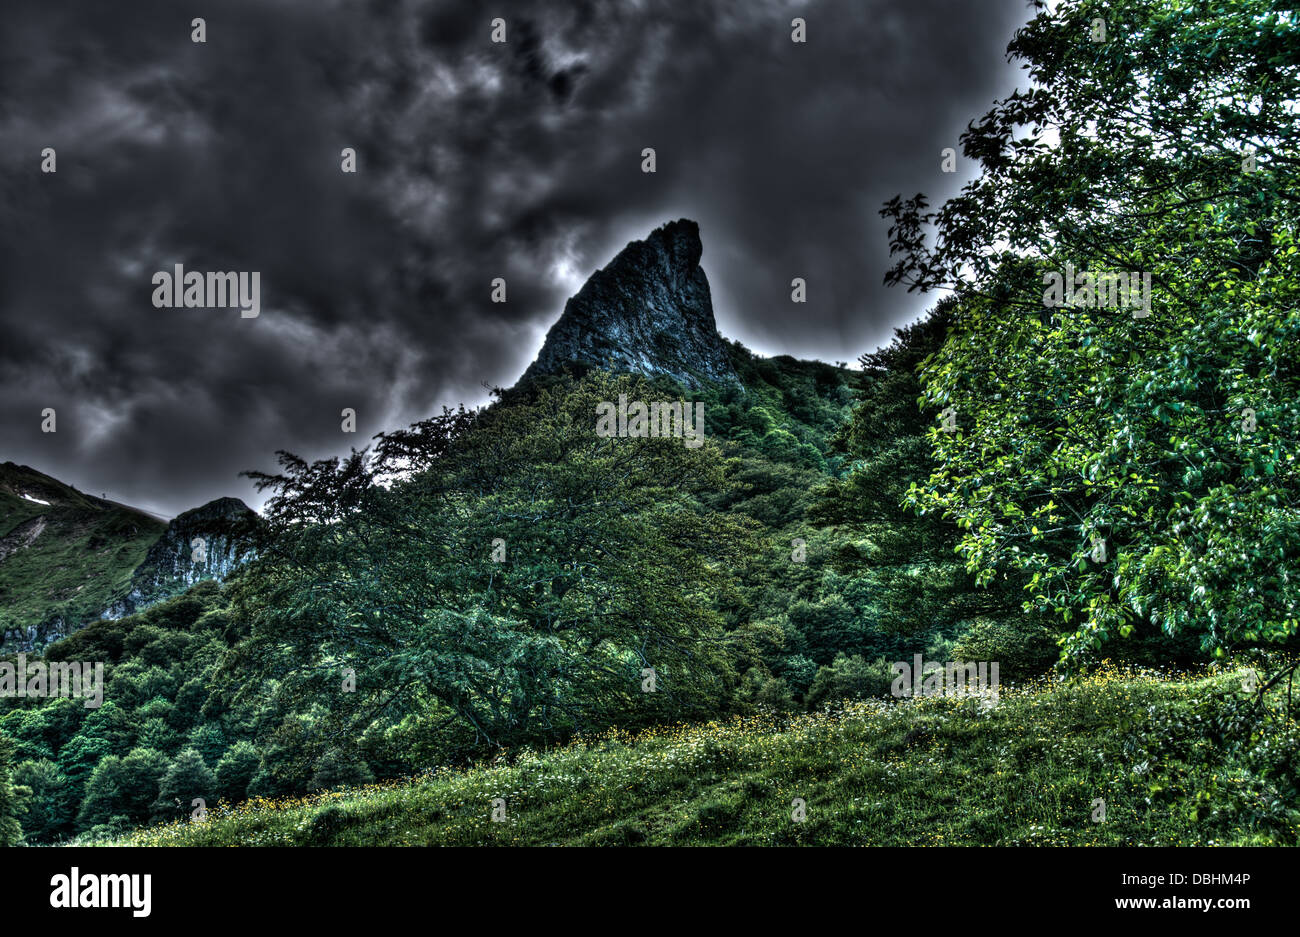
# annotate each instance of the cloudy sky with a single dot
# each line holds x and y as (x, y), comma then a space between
(475, 160)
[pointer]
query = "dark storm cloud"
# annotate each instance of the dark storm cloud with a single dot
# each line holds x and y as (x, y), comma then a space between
(477, 160)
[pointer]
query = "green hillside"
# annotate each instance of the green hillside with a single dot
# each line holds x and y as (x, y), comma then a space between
(1171, 756)
(186, 675)
(64, 560)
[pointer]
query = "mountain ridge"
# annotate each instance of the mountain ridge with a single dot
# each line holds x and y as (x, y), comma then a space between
(68, 558)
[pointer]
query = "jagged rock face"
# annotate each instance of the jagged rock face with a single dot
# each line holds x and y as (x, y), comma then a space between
(68, 558)
(22, 536)
(648, 312)
(177, 562)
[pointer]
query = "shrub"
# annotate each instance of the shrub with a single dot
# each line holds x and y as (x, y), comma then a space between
(1022, 649)
(850, 678)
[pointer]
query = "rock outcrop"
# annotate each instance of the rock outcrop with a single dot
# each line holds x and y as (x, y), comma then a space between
(207, 542)
(648, 312)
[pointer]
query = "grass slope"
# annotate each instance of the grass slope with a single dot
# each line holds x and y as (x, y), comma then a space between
(1167, 753)
(79, 562)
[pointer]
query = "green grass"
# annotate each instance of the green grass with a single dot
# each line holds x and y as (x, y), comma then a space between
(1172, 756)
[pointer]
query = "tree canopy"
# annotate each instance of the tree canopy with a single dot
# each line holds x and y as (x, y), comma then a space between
(1138, 464)
(510, 567)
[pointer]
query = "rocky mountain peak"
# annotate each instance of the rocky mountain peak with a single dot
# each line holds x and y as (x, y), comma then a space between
(648, 312)
(207, 542)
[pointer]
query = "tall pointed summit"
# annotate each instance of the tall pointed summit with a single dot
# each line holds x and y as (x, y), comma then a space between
(648, 312)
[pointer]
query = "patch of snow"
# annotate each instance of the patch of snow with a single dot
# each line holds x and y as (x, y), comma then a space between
(37, 500)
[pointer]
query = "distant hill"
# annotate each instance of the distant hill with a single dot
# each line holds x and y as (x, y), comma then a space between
(65, 556)
(68, 558)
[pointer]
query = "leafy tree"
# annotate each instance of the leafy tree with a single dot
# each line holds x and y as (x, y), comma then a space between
(186, 779)
(11, 797)
(1138, 469)
(1021, 648)
(50, 809)
(157, 734)
(78, 759)
(850, 677)
(235, 771)
(830, 626)
(775, 693)
(904, 564)
(110, 722)
(40, 732)
(383, 565)
(209, 740)
(123, 788)
(336, 768)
